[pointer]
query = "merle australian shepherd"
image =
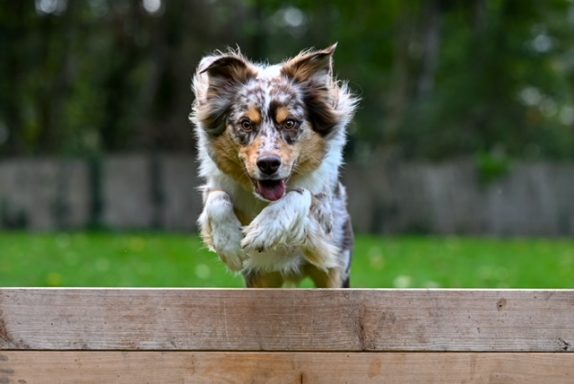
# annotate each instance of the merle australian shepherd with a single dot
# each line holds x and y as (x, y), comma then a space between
(270, 141)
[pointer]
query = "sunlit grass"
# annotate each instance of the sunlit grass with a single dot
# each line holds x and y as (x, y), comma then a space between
(114, 260)
(454, 262)
(177, 260)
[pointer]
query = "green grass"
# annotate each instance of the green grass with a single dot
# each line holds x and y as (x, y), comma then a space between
(171, 260)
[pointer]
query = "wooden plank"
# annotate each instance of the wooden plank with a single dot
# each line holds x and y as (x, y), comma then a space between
(26, 367)
(287, 320)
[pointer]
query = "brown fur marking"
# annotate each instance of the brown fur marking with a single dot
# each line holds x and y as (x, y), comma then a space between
(254, 115)
(225, 151)
(324, 279)
(264, 280)
(243, 217)
(312, 150)
(281, 114)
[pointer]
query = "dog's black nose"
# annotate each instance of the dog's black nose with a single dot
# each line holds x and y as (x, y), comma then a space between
(269, 165)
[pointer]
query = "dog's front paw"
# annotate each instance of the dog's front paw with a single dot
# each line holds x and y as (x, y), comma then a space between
(259, 236)
(280, 223)
(221, 230)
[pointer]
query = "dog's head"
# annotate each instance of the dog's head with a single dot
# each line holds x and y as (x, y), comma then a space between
(267, 125)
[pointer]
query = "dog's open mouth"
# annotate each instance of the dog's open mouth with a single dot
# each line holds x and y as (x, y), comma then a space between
(271, 190)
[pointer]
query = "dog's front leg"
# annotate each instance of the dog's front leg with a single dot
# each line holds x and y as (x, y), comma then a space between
(221, 230)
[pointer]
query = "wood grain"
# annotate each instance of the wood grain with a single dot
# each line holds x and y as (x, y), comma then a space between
(287, 320)
(25, 367)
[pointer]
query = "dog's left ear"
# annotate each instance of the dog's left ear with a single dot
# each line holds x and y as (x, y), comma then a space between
(314, 70)
(315, 66)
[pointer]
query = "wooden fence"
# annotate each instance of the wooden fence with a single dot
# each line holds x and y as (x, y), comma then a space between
(135, 336)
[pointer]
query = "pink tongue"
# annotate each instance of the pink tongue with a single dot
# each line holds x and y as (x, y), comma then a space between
(271, 190)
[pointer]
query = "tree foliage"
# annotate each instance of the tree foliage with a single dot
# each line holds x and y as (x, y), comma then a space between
(437, 78)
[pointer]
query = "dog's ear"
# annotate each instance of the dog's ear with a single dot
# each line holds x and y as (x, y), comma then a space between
(215, 84)
(230, 68)
(316, 66)
(314, 71)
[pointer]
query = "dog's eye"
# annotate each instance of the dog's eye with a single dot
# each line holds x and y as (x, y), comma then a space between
(290, 124)
(246, 125)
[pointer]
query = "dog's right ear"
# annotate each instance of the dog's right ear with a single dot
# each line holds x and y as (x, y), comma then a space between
(230, 67)
(215, 84)
(224, 73)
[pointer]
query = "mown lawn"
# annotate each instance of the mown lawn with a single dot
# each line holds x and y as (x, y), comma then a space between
(175, 260)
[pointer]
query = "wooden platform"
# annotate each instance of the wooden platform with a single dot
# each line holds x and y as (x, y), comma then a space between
(286, 336)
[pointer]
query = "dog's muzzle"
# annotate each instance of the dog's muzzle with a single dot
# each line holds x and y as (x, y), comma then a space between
(269, 186)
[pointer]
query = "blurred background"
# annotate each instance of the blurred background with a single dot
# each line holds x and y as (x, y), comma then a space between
(461, 151)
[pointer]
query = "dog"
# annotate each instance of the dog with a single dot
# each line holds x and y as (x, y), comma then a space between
(270, 141)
